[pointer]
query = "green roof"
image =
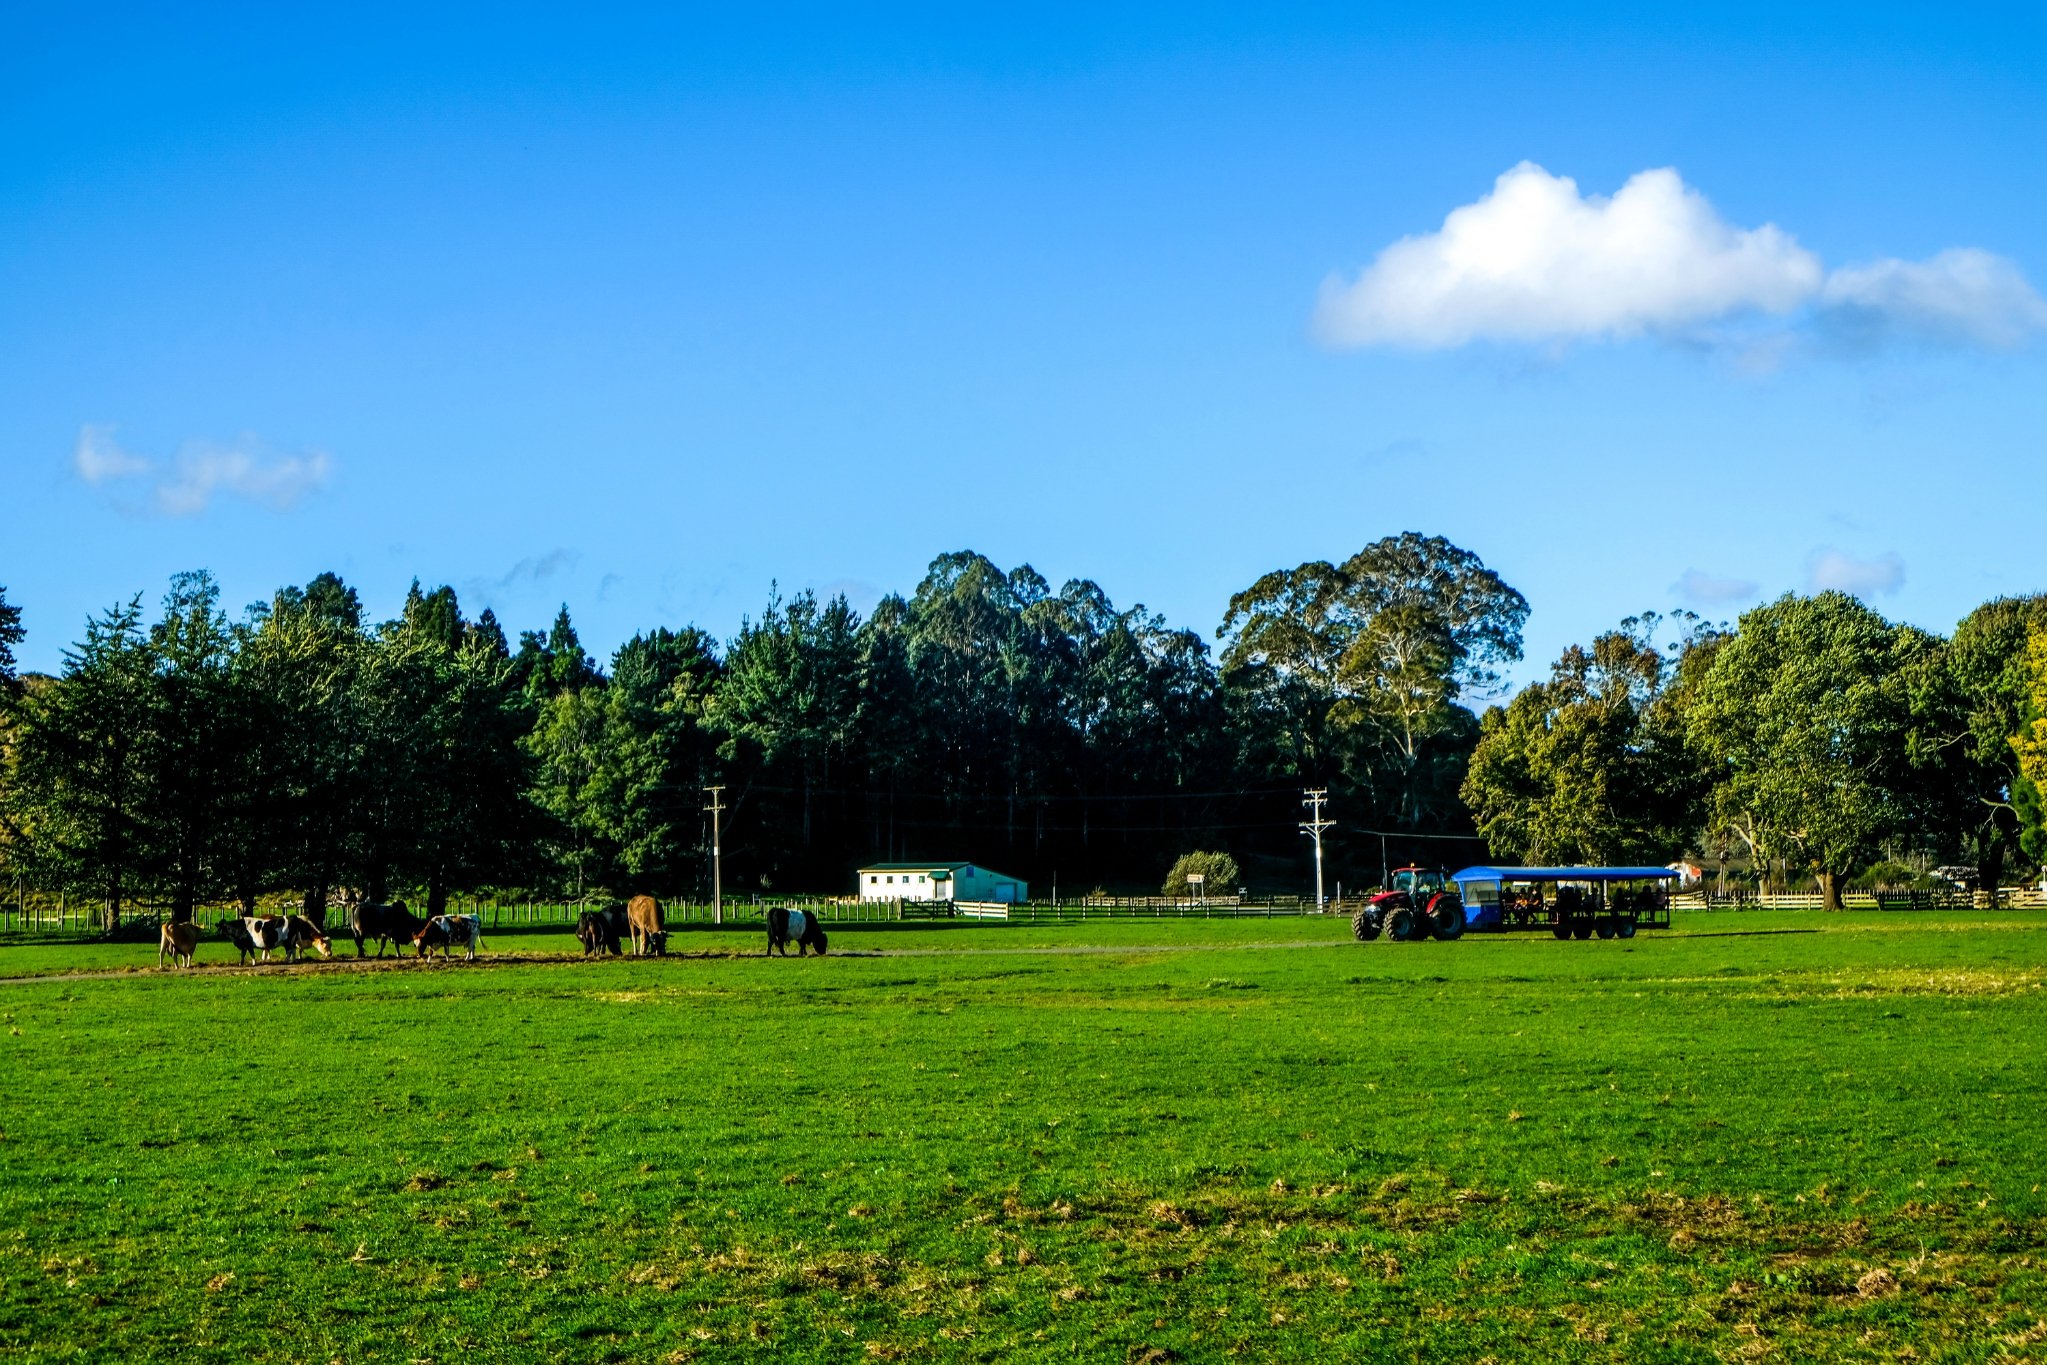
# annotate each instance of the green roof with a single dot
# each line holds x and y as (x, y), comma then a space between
(915, 867)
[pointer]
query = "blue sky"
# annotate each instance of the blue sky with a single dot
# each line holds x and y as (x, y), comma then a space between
(643, 311)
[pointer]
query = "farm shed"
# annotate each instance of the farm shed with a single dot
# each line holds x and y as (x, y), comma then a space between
(939, 881)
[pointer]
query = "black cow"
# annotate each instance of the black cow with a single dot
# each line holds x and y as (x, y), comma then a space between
(392, 924)
(598, 930)
(801, 927)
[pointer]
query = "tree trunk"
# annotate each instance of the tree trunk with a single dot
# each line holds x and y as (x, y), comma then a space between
(1830, 890)
(436, 894)
(1990, 865)
(314, 906)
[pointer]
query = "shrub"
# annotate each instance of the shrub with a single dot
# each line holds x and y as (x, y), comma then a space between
(1218, 871)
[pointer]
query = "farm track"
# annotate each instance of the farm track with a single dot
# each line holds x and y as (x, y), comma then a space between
(516, 959)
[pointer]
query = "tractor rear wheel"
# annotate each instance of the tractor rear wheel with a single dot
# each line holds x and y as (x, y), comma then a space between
(1446, 918)
(1364, 925)
(1581, 926)
(1399, 923)
(1626, 927)
(1606, 926)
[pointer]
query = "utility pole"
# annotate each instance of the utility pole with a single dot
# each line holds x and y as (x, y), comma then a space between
(716, 808)
(1314, 799)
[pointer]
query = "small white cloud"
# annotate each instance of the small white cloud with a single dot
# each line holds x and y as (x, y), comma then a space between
(1833, 571)
(1708, 590)
(1536, 261)
(186, 488)
(203, 469)
(1962, 296)
(99, 460)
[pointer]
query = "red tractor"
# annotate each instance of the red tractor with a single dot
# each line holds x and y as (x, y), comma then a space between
(1422, 904)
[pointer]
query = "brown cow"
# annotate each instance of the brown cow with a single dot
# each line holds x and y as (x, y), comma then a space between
(643, 920)
(180, 942)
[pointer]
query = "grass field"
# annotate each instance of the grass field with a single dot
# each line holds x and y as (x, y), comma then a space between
(1800, 1136)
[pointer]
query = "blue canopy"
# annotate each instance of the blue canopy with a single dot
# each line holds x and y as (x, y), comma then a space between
(1562, 874)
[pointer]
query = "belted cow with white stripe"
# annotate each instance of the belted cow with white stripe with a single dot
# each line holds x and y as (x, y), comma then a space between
(446, 931)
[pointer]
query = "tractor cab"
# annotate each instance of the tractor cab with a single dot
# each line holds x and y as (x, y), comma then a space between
(1419, 882)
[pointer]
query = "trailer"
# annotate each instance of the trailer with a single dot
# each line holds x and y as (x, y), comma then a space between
(1570, 902)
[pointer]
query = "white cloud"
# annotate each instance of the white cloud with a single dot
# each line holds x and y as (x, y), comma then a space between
(1962, 296)
(186, 488)
(1833, 571)
(99, 460)
(1708, 590)
(203, 469)
(1537, 261)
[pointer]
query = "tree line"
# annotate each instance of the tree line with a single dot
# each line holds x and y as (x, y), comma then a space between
(181, 757)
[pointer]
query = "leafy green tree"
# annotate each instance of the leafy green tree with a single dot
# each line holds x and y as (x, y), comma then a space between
(1971, 700)
(1218, 872)
(2029, 746)
(1367, 662)
(1592, 766)
(297, 659)
(11, 635)
(81, 784)
(1806, 718)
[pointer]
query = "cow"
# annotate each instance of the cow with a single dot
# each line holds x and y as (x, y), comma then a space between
(597, 930)
(180, 942)
(254, 936)
(801, 927)
(392, 924)
(444, 931)
(643, 919)
(303, 933)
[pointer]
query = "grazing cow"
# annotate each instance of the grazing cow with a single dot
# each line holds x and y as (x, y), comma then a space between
(597, 931)
(392, 924)
(643, 919)
(180, 942)
(302, 933)
(444, 931)
(801, 927)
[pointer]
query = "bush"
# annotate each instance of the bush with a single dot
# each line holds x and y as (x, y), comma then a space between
(1218, 871)
(1889, 876)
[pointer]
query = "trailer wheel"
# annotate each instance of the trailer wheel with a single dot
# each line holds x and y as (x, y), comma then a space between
(1626, 927)
(1446, 918)
(1561, 928)
(1581, 926)
(1606, 926)
(1399, 924)
(1364, 926)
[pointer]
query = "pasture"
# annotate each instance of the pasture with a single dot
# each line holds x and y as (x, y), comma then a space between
(1799, 1136)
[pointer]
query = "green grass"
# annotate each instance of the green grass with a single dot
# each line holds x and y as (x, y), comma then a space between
(1816, 1137)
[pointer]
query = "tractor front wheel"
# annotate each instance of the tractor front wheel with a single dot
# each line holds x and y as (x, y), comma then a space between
(1400, 924)
(1364, 926)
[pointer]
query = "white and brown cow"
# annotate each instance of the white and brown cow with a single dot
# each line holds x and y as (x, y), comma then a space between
(301, 934)
(445, 931)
